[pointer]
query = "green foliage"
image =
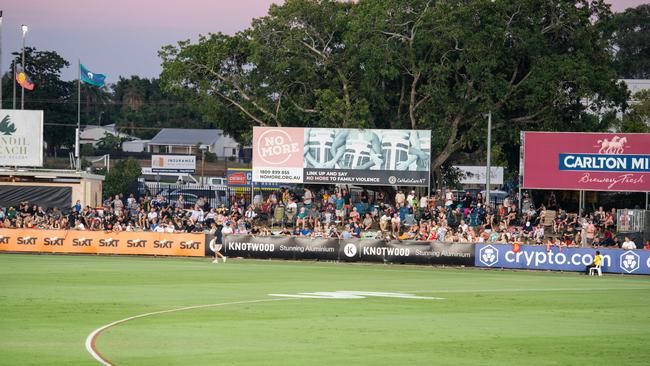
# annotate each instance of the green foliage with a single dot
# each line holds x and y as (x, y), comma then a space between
(407, 64)
(637, 117)
(631, 42)
(111, 142)
(124, 173)
(86, 149)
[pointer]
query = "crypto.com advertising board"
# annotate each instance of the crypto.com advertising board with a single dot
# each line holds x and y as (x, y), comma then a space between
(348, 156)
(586, 161)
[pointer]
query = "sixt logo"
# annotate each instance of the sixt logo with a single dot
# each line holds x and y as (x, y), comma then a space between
(82, 242)
(163, 244)
(190, 244)
(488, 255)
(629, 261)
(27, 240)
(53, 241)
(137, 243)
(110, 242)
(4, 240)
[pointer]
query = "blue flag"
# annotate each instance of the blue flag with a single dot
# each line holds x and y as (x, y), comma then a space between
(91, 78)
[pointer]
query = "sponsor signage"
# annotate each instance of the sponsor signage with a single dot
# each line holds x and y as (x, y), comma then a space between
(586, 161)
(335, 156)
(352, 250)
(173, 163)
(569, 259)
(239, 177)
(477, 174)
(21, 138)
(100, 242)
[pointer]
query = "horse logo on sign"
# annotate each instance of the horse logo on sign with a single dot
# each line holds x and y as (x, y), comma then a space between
(614, 147)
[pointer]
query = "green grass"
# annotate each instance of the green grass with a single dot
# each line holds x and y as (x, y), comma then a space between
(50, 303)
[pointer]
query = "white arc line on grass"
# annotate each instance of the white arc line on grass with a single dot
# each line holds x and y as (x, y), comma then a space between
(92, 337)
(560, 289)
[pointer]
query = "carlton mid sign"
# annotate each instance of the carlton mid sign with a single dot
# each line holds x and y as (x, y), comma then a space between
(21, 138)
(586, 161)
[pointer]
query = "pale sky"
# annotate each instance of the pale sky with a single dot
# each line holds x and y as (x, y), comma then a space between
(122, 37)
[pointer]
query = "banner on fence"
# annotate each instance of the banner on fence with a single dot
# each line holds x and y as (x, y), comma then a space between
(568, 259)
(353, 250)
(21, 138)
(341, 155)
(173, 163)
(100, 242)
(586, 161)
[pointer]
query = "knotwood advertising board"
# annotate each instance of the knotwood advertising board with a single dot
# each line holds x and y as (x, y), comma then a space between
(586, 161)
(341, 156)
(100, 242)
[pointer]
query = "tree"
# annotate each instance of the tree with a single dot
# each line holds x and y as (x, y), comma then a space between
(637, 117)
(51, 94)
(124, 173)
(631, 42)
(413, 64)
(111, 142)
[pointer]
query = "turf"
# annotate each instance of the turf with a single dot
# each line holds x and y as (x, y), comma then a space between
(50, 303)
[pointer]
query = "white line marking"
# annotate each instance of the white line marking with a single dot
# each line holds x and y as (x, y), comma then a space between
(90, 340)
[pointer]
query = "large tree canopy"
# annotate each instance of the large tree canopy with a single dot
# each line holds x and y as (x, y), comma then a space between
(408, 64)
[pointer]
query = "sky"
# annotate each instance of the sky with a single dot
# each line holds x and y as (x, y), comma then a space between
(122, 37)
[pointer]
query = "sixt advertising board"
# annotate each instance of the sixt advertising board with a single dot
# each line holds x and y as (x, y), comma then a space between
(569, 259)
(21, 138)
(349, 156)
(586, 161)
(352, 250)
(100, 242)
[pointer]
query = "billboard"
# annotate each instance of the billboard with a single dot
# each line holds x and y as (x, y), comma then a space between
(173, 163)
(21, 138)
(476, 174)
(101, 242)
(239, 177)
(586, 161)
(348, 156)
(568, 259)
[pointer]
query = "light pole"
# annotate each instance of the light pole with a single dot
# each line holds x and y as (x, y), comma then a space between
(24, 28)
(489, 159)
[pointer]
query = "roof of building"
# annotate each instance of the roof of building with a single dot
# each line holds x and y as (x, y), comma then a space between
(186, 137)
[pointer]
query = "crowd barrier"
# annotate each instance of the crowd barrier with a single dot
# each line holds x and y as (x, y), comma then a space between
(100, 242)
(351, 250)
(567, 259)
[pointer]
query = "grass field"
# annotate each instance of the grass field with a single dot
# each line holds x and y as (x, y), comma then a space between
(49, 304)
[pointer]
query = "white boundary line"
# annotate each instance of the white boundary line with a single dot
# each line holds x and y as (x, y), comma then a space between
(92, 337)
(560, 289)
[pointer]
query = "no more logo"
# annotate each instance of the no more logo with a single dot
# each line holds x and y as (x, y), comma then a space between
(630, 261)
(276, 147)
(489, 255)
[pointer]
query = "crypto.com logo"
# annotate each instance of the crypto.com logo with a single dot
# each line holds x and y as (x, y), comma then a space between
(488, 255)
(630, 261)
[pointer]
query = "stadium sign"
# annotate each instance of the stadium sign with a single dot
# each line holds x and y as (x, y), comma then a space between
(477, 174)
(350, 250)
(21, 138)
(586, 161)
(100, 242)
(347, 156)
(173, 163)
(568, 259)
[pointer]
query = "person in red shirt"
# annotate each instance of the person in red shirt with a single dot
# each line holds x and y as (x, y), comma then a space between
(647, 245)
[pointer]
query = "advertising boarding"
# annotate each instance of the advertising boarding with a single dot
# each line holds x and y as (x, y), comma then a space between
(566, 259)
(586, 161)
(341, 156)
(173, 163)
(21, 138)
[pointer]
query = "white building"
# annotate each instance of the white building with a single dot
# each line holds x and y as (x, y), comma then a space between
(186, 141)
(92, 134)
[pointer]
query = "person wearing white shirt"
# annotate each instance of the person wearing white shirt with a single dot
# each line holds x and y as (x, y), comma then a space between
(160, 228)
(628, 244)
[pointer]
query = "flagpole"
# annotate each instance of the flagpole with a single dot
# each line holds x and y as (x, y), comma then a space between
(77, 137)
(14, 84)
(22, 89)
(1, 96)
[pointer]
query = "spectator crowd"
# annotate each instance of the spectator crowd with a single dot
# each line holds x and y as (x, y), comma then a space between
(400, 215)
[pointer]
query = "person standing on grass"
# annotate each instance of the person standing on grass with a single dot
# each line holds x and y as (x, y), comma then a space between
(598, 259)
